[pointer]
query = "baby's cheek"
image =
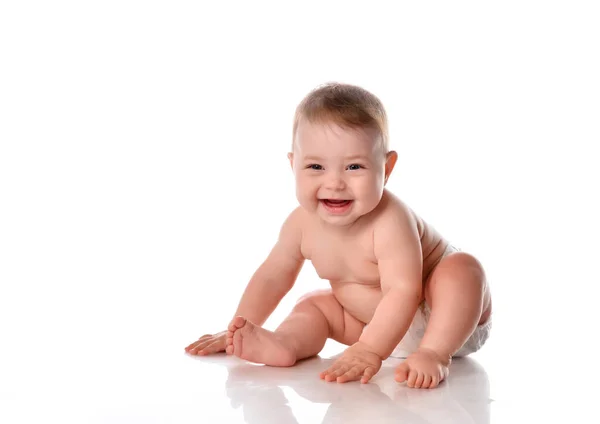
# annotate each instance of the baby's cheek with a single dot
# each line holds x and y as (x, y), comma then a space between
(372, 199)
(301, 193)
(370, 191)
(308, 200)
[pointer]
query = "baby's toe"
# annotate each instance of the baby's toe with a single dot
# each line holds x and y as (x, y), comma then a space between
(236, 324)
(402, 373)
(419, 380)
(434, 382)
(426, 381)
(412, 378)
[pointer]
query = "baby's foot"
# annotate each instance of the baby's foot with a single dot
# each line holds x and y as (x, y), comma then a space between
(255, 344)
(423, 369)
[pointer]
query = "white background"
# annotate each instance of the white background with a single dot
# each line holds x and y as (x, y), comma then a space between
(143, 170)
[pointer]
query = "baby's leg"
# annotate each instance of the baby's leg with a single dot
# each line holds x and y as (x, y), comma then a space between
(459, 300)
(302, 334)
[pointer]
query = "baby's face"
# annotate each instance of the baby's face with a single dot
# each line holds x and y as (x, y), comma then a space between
(339, 172)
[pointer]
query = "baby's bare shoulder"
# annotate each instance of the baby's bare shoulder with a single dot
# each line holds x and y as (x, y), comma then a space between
(295, 222)
(396, 230)
(395, 215)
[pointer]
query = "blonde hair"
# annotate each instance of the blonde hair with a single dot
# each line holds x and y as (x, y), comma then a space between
(346, 105)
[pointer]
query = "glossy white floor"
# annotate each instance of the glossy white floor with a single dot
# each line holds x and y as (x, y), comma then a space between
(119, 359)
(125, 378)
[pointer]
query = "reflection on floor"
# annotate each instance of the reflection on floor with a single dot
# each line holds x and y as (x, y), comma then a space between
(296, 394)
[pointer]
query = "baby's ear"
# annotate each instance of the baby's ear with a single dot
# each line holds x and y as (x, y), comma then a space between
(291, 159)
(390, 162)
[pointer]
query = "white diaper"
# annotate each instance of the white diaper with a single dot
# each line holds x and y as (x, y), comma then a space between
(411, 340)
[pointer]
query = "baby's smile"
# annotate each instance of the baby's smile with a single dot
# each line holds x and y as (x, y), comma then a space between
(336, 206)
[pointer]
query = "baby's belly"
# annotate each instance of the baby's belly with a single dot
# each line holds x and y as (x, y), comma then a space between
(359, 300)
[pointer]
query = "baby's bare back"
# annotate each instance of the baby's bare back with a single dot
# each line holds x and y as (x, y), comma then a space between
(347, 258)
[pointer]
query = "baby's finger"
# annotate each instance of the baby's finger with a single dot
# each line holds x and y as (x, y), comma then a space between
(201, 339)
(205, 338)
(192, 347)
(335, 371)
(216, 346)
(201, 343)
(368, 374)
(352, 374)
(328, 370)
(211, 347)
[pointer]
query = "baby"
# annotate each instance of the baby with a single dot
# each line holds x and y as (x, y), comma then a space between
(398, 288)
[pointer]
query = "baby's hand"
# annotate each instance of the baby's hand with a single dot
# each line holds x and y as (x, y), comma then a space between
(207, 344)
(357, 362)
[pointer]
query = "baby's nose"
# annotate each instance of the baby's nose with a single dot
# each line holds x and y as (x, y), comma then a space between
(336, 182)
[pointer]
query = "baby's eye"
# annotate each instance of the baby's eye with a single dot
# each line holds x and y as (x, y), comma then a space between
(354, 167)
(314, 166)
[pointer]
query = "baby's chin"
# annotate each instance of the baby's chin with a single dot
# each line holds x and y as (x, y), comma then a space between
(338, 222)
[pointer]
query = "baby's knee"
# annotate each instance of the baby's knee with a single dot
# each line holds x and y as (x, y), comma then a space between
(459, 271)
(465, 267)
(469, 261)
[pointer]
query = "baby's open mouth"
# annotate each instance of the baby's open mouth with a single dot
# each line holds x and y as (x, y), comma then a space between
(336, 203)
(337, 207)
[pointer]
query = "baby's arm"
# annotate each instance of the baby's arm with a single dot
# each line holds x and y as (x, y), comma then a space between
(276, 275)
(400, 262)
(271, 281)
